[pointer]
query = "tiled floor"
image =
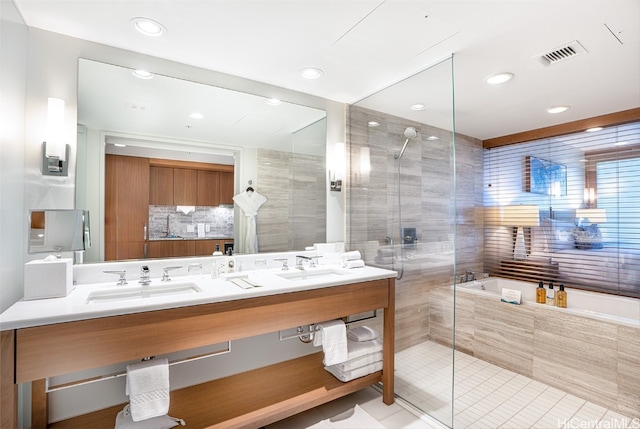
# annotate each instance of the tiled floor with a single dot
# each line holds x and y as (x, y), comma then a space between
(390, 416)
(487, 397)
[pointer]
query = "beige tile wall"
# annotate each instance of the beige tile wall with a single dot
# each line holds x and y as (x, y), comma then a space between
(446, 221)
(294, 215)
(597, 360)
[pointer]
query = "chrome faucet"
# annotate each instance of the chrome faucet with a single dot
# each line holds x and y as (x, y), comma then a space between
(165, 272)
(145, 275)
(122, 273)
(300, 259)
(168, 231)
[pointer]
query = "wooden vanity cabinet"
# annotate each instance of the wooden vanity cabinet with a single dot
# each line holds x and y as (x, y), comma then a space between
(251, 399)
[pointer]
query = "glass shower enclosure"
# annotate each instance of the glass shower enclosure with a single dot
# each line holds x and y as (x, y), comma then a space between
(406, 210)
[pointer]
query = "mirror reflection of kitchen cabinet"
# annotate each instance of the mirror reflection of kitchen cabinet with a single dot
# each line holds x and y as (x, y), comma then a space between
(126, 206)
(226, 187)
(185, 182)
(160, 249)
(161, 186)
(208, 185)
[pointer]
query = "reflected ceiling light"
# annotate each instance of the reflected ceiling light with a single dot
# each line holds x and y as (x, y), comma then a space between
(311, 73)
(499, 78)
(557, 109)
(196, 115)
(593, 129)
(620, 143)
(273, 101)
(142, 74)
(373, 124)
(119, 145)
(418, 106)
(148, 27)
(432, 138)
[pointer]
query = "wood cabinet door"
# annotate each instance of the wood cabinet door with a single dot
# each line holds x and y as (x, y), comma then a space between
(126, 206)
(208, 188)
(160, 249)
(226, 187)
(184, 248)
(185, 184)
(207, 247)
(161, 186)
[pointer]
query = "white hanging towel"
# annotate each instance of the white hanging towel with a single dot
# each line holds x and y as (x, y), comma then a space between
(250, 202)
(332, 336)
(148, 388)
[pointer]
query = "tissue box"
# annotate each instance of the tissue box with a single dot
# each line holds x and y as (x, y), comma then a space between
(48, 279)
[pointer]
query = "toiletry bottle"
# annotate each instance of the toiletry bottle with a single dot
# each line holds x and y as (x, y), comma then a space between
(561, 298)
(541, 294)
(551, 295)
(217, 251)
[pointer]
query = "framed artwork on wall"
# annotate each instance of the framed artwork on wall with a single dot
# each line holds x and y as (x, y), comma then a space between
(545, 177)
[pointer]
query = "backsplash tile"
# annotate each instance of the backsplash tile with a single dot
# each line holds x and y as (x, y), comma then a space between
(219, 219)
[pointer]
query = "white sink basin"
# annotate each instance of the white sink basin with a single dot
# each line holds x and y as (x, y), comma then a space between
(124, 293)
(313, 274)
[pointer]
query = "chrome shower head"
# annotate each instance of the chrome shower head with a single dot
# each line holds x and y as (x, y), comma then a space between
(410, 133)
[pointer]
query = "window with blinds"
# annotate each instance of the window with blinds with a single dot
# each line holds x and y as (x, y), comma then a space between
(566, 209)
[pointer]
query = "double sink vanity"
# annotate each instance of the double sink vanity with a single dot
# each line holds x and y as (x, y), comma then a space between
(102, 322)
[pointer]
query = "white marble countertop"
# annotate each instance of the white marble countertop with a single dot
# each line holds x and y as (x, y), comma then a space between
(77, 306)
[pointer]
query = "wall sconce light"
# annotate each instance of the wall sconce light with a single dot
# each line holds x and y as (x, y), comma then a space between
(336, 174)
(520, 216)
(55, 152)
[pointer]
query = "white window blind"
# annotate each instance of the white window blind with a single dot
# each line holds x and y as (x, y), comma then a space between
(566, 210)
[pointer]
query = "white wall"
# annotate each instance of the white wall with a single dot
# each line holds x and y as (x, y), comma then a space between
(13, 47)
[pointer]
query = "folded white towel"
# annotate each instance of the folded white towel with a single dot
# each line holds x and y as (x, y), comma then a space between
(361, 348)
(148, 388)
(332, 336)
(354, 263)
(359, 362)
(350, 256)
(385, 252)
(355, 373)
(362, 333)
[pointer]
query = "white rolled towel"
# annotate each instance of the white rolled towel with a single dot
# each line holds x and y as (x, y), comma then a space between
(351, 256)
(355, 263)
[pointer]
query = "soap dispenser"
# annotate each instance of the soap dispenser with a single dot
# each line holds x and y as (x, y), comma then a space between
(541, 294)
(551, 295)
(561, 298)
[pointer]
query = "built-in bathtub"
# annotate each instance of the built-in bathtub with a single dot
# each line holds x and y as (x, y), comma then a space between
(580, 302)
(590, 349)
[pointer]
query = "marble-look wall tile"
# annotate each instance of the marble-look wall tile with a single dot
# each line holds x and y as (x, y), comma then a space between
(428, 202)
(295, 187)
(503, 334)
(628, 376)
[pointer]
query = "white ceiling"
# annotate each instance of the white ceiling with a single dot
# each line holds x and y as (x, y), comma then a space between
(366, 45)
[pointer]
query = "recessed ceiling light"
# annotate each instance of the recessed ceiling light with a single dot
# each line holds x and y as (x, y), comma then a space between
(148, 27)
(373, 124)
(196, 115)
(311, 73)
(557, 109)
(418, 106)
(620, 143)
(593, 129)
(432, 138)
(273, 101)
(142, 74)
(119, 145)
(499, 78)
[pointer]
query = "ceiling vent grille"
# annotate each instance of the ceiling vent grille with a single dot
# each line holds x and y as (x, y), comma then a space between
(562, 53)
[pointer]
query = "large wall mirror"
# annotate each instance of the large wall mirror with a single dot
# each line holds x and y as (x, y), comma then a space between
(276, 148)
